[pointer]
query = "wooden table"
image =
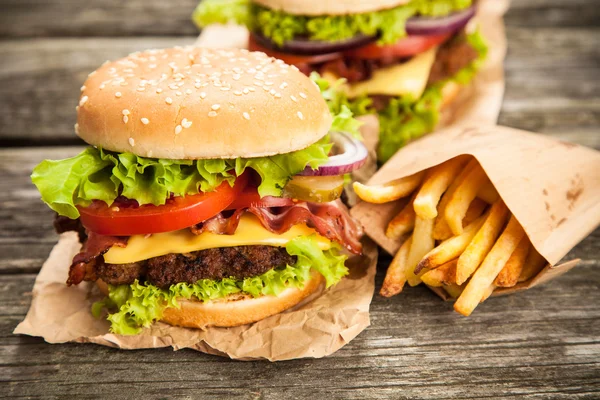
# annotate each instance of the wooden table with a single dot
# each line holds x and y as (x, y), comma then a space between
(541, 343)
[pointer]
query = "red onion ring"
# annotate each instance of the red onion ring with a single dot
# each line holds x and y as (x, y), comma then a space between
(353, 156)
(439, 25)
(300, 46)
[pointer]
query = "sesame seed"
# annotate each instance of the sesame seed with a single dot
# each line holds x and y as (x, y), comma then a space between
(126, 112)
(302, 95)
(141, 89)
(131, 142)
(299, 114)
(83, 88)
(283, 85)
(237, 92)
(158, 90)
(76, 126)
(273, 92)
(125, 119)
(212, 114)
(268, 83)
(252, 89)
(188, 91)
(102, 86)
(198, 85)
(277, 95)
(294, 99)
(118, 95)
(145, 121)
(169, 100)
(215, 107)
(178, 129)
(203, 95)
(246, 116)
(225, 89)
(185, 123)
(178, 93)
(83, 100)
(236, 77)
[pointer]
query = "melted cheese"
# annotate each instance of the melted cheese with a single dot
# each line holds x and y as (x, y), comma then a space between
(249, 232)
(409, 78)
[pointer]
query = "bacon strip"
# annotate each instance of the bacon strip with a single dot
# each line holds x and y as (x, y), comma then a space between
(83, 262)
(328, 219)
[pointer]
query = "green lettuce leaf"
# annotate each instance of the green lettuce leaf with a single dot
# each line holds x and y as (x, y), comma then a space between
(281, 27)
(139, 305)
(96, 174)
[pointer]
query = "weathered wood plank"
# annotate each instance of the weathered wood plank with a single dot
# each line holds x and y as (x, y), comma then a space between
(64, 18)
(512, 346)
(552, 86)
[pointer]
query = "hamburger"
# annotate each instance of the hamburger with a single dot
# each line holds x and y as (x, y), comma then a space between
(405, 60)
(209, 193)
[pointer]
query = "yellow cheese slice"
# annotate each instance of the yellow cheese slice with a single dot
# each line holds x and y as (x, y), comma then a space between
(409, 78)
(249, 232)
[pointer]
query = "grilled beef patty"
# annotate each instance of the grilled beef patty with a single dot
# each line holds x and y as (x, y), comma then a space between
(224, 262)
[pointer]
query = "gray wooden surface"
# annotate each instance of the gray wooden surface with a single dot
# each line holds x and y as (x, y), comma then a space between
(543, 343)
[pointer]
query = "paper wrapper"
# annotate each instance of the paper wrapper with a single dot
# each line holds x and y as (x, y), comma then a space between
(552, 187)
(318, 327)
(479, 102)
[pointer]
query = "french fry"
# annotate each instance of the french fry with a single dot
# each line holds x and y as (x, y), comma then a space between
(534, 263)
(453, 290)
(435, 184)
(422, 243)
(403, 222)
(475, 210)
(443, 275)
(490, 268)
(451, 248)
(509, 275)
(441, 230)
(482, 242)
(461, 199)
(379, 194)
(488, 193)
(395, 277)
(488, 292)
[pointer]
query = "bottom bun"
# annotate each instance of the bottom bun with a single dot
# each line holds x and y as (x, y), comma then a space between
(236, 309)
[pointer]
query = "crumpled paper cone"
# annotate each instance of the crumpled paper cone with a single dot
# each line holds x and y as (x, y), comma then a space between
(552, 187)
(319, 326)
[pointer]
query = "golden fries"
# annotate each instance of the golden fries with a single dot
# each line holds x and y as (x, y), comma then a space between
(395, 277)
(488, 193)
(509, 275)
(444, 275)
(422, 243)
(441, 230)
(451, 248)
(482, 242)
(403, 222)
(533, 265)
(490, 268)
(395, 190)
(441, 176)
(461, 199)
(463, 237)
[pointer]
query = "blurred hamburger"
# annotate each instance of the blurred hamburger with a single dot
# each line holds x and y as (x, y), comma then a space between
(208, 196)
(404, 59)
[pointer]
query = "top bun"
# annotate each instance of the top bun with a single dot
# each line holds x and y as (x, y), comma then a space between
(193, 103)
(337, 7)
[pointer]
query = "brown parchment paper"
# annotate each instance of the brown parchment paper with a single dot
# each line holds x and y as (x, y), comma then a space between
(318, 327)
(552, 187)
(480, 101)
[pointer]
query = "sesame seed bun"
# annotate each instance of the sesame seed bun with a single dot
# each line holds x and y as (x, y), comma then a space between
(236, 309)
(338, 7)
(192, 103)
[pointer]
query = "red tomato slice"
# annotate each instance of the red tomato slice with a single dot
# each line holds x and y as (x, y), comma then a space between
(291, 58)
(407, 47)
(250, 197)
(177, 213)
